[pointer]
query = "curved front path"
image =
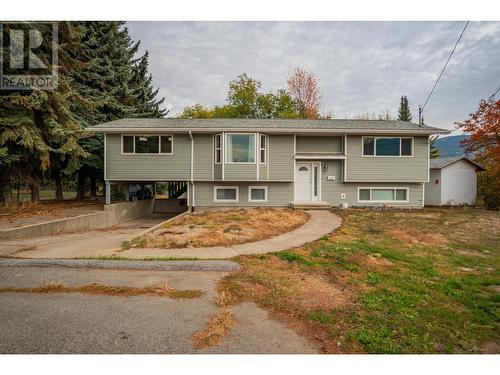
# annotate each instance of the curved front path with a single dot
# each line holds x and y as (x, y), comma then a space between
(320, 224)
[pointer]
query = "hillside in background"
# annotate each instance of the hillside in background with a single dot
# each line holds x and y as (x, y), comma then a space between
(450, 146)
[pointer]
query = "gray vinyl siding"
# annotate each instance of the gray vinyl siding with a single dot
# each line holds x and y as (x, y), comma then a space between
(279, 194)
(331, 190)
(148, 167)
(203, 156)
(318, 144)
(387, 169)
(240, 172)
(281, 156)
(218, 172)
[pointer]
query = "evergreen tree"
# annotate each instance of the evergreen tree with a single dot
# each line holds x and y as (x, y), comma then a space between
(404, 113)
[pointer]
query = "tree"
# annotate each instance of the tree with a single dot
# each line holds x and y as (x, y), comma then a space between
(304, 90)
(245, 101)
(404, 113)
(483, 126)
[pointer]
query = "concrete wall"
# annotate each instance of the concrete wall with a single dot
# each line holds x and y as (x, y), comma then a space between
(113, 214)
(170, 206)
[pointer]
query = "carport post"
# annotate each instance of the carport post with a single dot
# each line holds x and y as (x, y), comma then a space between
(108, 192)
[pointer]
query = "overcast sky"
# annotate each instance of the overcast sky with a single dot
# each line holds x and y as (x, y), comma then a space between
(361, 66)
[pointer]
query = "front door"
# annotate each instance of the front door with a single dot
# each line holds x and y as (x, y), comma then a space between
(306, 182)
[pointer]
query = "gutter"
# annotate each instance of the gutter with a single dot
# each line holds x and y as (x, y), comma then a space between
(417, 131)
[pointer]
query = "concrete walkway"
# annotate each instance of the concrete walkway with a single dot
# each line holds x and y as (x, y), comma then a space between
(321, 223)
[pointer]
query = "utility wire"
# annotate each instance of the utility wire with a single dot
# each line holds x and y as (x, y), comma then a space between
(495, 93)
(445, 65)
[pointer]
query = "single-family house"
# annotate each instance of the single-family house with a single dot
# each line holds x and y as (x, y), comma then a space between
(452, 182)
(268, 162)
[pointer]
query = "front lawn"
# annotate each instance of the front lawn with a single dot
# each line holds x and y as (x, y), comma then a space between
(387, 282)
(223, 228)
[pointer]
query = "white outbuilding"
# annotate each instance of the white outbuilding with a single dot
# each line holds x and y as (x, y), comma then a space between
(452, 181)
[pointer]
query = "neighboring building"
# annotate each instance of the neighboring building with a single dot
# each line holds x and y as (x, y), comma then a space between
(452, 182)
(261, 162)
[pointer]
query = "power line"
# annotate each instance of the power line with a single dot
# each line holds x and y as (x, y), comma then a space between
(495, 93)
(445, 65)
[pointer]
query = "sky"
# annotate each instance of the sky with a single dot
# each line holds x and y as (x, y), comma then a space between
(362, 67)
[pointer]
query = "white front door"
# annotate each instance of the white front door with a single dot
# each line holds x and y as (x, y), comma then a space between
(306, 182)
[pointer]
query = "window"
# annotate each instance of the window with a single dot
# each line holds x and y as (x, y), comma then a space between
(166, 144)
(226, 194)
(257, 193)
(263, 149)
(128, 144)
(218, 148)
(368, 146)
(388, 146)
(406, 146)
(240, 148)
(147, 144)
(383, 195)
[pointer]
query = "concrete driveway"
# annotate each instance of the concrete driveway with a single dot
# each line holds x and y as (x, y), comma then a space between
(69, 245)
(83, 323)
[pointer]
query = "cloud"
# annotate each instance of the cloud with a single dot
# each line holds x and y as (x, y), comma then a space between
(361, 66)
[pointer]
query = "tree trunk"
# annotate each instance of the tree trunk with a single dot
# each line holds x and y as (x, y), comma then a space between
(35, 192)
(80, 190)
(93, 185)
(59, 188)
(5, 188)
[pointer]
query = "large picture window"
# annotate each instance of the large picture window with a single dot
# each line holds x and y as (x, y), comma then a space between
(387, 146)
(240, 148)
(147, 144)
(383, 194)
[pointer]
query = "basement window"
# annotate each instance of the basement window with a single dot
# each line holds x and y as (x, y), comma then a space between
(382, 195)
(257, 193)
(226, 194)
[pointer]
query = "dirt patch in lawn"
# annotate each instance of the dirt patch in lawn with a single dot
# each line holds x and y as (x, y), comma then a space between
(223, 228)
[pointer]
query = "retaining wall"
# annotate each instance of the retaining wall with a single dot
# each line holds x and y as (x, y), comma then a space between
(113, 214)
(170, 206)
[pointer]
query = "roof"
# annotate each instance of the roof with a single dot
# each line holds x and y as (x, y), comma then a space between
(444, 162)
(267, 125)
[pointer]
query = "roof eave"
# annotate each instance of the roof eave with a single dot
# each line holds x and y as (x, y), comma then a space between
(269, 130)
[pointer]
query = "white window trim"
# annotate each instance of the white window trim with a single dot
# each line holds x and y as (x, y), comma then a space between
(257, 187)
(254, 149)
(147, 153)
(263, 149)
(227, 187)
(384, 188)
(218, 148)
(386, 156)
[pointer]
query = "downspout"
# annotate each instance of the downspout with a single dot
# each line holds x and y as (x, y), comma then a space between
(192, 167)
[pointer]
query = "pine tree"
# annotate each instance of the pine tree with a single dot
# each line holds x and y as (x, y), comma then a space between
(37, 127)
(404, 113)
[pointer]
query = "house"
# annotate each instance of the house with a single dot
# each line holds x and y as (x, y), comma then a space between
(452, 181)
(264, 162)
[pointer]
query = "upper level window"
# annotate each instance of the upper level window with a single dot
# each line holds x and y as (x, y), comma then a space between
(263, 148)
(147, 144)
(240, 148)
(388, 146)
(218, 148)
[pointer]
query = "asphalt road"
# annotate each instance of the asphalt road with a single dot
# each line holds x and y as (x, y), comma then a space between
(83, 323)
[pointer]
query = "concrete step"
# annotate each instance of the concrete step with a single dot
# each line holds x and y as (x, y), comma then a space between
(310, 205)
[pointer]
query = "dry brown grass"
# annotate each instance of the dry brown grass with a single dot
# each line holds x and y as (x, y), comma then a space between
(224, 228)
(42, 208)
(106, 290)
(218, 326)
